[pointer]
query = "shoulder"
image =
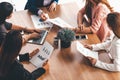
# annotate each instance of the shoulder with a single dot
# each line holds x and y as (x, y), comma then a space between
(8, 25)
(103, 7)
(117, 42)
(16, 72)
(17, 66)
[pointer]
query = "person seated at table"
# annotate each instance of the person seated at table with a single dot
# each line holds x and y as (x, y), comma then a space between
(35, 5)
(112, 47)
(6, 10)
(10, 67)
(94, 14)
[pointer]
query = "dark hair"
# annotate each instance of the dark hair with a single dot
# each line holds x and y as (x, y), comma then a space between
(5, 10)
(113, 20)
(89, 5)
(10, 49)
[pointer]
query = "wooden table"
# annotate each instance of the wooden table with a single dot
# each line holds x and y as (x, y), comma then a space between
(65, 64)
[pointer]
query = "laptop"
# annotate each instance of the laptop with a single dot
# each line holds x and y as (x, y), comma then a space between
(42, 37)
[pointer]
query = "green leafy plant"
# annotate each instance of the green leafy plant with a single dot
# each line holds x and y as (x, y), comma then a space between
(66, 35)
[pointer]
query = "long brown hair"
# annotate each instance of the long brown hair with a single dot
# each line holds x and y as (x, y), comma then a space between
(6, 10)
(9, 50)
(113, 20)
(89, 5)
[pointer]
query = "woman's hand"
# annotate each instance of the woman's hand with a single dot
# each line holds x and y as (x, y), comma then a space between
(92, 60)
(88, 46)
(44, 16)
(46, 65)
(34, 35)
(81, 27)
(52, 7)
(33, 52)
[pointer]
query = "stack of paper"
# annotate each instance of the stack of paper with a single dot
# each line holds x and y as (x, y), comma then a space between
(59, 22)
(49, 22)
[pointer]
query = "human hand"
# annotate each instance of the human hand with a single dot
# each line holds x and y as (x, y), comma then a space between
(33, 52)
(76, 30)
(52, 7)
(29, 30)
(38, 30)
(81, 27)
(34, 35)
(88, 46)
(46, 65)
(44, 16)
(92, 60)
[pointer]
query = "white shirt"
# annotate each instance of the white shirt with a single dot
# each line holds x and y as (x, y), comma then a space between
(113, 47)
(46, 2)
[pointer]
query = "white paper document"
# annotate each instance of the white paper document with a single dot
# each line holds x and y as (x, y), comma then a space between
(59, 22)
(43, 55)
(86, 52)
(40, 24)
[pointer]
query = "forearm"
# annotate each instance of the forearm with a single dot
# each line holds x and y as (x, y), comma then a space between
(101, 46)
(79, 18)
(85, 30)
(17, 27)
(107, 66)
(26, 38)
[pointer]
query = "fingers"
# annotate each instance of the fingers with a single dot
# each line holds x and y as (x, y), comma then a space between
(88, 46)
(52, 7)
(45, 63)
(81, 27)
(34, 35)
(44, 16)
(92, 60)
(89, 58)
(33, 52)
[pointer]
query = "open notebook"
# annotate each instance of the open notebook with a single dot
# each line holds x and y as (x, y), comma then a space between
(86, 52)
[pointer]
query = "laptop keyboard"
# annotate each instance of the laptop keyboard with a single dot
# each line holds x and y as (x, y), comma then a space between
(40, 40)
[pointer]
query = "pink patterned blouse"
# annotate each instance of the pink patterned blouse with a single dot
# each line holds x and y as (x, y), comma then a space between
(99, 24)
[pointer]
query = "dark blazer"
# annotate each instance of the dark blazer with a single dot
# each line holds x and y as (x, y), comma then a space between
(18, 72)
(33, 5)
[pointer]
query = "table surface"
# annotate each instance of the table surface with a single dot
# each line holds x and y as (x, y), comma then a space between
(65, 64)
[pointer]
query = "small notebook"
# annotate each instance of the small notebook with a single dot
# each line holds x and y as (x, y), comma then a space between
(40, 40)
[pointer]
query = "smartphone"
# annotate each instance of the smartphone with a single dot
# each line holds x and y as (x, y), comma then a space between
(81, 37)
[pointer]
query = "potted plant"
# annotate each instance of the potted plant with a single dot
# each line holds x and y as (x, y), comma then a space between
(66, 36)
